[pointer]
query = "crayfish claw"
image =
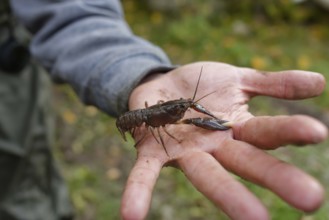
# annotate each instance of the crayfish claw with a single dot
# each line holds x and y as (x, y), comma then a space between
(199, 108)
(213, 124)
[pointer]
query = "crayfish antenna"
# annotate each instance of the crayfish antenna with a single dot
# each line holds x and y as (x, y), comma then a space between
(197, 85)
(205, 96)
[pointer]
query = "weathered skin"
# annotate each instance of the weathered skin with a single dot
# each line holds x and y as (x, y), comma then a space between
(206, 158)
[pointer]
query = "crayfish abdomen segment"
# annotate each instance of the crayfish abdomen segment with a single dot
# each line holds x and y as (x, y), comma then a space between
(130, 120)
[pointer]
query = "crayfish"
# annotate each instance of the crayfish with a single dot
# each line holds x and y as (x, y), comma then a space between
(169, 112)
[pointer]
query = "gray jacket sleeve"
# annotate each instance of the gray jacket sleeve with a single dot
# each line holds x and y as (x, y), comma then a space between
(88, 44)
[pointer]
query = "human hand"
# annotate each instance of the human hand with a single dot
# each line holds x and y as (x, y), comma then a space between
(206, 157)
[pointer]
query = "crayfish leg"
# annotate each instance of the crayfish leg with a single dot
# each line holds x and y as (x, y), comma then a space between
(140, 140)
(154, 135)
(170, 135)
(162, 142)
(132, 132)
(133, 135)
(123, 135)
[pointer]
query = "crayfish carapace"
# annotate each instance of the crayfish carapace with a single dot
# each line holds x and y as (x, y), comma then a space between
(169, 112)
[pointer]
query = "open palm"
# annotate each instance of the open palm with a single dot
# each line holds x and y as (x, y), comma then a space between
(206, 157)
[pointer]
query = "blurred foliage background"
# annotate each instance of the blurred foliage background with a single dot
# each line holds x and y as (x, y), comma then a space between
(266, 35)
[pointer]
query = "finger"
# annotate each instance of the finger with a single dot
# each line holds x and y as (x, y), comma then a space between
(271, 132)
(291, 84)
(137, 194)
(220, 187)
(291, 184)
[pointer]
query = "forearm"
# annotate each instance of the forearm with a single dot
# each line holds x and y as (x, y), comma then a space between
(89, 45)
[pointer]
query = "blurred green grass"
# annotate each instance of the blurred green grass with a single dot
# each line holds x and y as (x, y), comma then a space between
(264, 35)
